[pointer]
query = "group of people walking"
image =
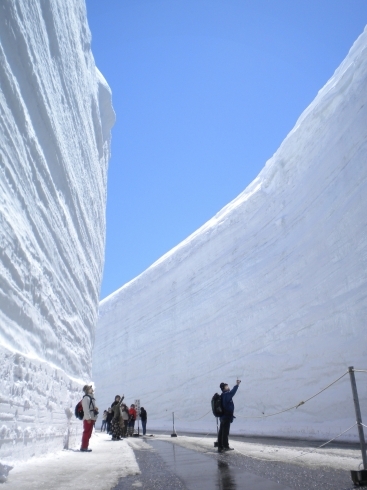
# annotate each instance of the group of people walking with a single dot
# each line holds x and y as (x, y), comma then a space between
(119, 419)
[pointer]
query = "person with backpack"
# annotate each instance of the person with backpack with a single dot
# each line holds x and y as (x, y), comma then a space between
(227, 417)
(89, 417)
(132, 418)
(143, 418)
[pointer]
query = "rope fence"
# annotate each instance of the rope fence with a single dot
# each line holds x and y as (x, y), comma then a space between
(295, 406)
(271, 414)
(304, 453)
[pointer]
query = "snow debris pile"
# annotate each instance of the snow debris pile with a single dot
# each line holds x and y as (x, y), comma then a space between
(4, 472)
(272, 289)
(55, 122)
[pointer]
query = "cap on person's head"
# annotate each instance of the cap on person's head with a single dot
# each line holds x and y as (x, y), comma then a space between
(86, 388)
(222, 386)
(117, 396)
(132, 405)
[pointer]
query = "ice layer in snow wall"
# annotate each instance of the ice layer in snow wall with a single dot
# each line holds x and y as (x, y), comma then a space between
(55, 121)
(273, 289)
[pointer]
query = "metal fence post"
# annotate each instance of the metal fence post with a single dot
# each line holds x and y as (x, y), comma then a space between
(173, 420)
(358, 416)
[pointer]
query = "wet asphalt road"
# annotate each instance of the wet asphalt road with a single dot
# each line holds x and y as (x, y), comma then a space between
(171, 466)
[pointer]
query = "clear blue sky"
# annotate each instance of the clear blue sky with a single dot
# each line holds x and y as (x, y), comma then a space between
(204, 92)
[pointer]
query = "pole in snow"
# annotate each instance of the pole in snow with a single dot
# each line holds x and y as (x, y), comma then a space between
(216, 442)
(358, 476)
(137, 408)
(173, 419)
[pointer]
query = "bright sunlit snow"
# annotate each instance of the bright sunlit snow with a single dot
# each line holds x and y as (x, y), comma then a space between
(55, 121)
(98, 470)
(110, 461)
(272, 290)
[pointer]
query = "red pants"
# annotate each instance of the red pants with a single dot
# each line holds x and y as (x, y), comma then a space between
(87, 432)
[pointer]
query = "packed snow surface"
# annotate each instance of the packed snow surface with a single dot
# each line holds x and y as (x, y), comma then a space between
(69, 470)
(55, 121)
(273, 290)
(109, 461)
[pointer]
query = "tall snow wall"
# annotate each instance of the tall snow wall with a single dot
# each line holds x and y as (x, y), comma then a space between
(273, 290)
(55, 122)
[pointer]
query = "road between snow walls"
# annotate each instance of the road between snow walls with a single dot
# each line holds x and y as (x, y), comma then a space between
(187, 462)
(271, 290)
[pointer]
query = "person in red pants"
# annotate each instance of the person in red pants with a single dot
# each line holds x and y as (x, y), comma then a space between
(90, 416)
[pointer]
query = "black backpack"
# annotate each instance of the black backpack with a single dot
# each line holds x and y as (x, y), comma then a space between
(217, 406)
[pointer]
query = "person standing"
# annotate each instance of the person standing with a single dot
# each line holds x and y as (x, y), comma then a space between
(116, 428)
(132, 418)
(124, 420)
(90, 416)
(104, 421)
(143, 418)
(109, 419)
(227, 417)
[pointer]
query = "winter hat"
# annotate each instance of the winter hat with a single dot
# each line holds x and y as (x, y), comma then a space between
(86, 388)
(222, 385)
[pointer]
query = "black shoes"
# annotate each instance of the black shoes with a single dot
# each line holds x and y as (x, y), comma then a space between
(224, 449)
(83, 450)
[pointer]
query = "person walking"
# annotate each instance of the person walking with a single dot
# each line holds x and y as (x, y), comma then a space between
(90, 416)
(143, 418)
(132, 418)
(227, 417)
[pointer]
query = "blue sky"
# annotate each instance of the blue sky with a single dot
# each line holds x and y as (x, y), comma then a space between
(204, 93)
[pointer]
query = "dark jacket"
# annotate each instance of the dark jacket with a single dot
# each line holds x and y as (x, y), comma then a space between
(116, 410)
(143, 414)
(227, 403)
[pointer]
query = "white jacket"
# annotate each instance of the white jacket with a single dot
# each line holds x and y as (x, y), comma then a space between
(89, 404)
(124, 414)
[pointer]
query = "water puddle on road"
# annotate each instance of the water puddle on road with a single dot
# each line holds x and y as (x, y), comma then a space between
(197, 470)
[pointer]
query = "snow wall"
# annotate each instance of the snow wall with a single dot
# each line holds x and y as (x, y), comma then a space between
(55, 122)
(273, 289)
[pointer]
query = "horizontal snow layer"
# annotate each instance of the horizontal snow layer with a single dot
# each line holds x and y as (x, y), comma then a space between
(37, 403)
(272, 289)
(55, 120)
